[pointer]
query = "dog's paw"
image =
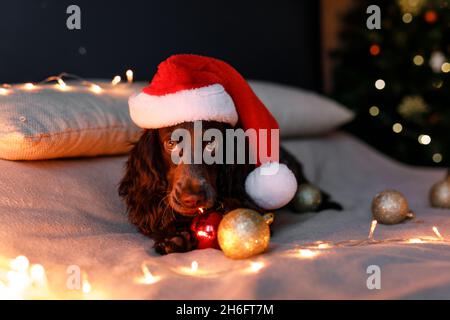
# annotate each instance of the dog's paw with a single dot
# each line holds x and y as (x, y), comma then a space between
(178, 242)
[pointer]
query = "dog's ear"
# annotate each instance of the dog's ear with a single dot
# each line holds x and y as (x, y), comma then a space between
(144, 183)
(231, 182)
(231, 187)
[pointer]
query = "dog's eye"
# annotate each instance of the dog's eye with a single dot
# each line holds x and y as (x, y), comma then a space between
(170, 145)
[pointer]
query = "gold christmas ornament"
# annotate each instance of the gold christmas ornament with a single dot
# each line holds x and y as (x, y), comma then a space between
(307, 198)
(390, 207)
(244, 233)
(440, 194)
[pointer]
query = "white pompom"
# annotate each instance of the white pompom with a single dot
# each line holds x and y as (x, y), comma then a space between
(271, 186)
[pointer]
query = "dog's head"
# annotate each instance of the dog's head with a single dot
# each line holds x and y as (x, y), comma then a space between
(191, 184)
(157, 189)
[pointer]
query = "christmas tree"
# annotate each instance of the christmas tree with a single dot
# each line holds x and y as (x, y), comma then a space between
(397, 78)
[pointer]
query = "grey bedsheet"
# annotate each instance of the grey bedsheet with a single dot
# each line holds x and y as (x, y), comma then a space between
(67, 212)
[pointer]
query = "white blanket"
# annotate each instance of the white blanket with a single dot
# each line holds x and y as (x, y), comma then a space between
(67, 212)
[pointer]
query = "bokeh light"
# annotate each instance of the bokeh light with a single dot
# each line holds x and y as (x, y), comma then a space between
(380, 84)
(374, 111)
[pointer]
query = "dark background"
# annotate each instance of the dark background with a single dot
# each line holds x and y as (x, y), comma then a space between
(272, 40)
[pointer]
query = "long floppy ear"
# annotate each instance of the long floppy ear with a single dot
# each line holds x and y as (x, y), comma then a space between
(144, 185)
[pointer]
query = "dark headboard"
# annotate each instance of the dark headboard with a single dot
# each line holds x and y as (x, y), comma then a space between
(274, 40)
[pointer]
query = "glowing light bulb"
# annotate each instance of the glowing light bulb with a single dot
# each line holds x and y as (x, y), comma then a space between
(3, 91)
(86, 284)
(397, 128)
(418, 60)
(17, 281)
(374, 49)
(29, 86)
(445, 67)
(21, 263)
(437, 158)
(373, 226)
(256, 266)
(116, 80)
(380, 84)
(96, 88)
(323, 246)
(407, 17)
(148, 276)
(374, 111)
(61, 84)
(437, 233)
(37, 273)
(307, 254)
(129, 75)
(194, 266)
(424, 139)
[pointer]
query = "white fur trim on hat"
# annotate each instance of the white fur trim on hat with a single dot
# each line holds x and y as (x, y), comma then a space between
(271, 186)
(210, 103)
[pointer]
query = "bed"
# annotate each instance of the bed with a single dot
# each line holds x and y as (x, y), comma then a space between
(65, 213)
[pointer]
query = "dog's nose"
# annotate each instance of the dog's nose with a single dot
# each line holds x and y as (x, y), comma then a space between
(193, 200)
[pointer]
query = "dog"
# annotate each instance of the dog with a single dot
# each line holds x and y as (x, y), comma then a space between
(162, 197)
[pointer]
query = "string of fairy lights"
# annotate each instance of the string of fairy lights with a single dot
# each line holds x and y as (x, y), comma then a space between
(19, 279)
(439, 64)
(62, 85)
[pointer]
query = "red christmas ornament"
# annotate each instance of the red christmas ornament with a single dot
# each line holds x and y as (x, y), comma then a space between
(431, 16)
(205, 227)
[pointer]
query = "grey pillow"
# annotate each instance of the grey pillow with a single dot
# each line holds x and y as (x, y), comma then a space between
(300, 112)
(46, 122)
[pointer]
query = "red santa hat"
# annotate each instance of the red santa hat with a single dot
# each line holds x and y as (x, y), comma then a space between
(189, 88)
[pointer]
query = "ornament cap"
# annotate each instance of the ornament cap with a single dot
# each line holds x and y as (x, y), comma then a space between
(268, 218)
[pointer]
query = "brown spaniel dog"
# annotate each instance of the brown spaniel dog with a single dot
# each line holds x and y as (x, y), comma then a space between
(162, 197)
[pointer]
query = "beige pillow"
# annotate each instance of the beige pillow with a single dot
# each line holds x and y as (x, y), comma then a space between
(300, 112)
(44, 122)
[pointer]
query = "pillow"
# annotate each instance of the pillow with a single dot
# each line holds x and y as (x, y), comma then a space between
(300, 112)
(43, 122)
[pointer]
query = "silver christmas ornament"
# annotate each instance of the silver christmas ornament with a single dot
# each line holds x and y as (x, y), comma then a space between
(390, 207)
(307, 198)
(440, 194)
